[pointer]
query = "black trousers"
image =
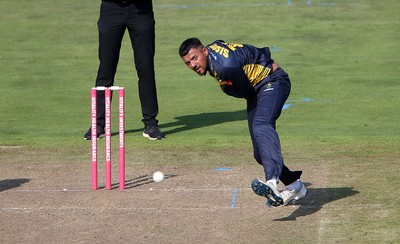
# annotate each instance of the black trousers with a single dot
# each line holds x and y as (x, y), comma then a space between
(138, 18)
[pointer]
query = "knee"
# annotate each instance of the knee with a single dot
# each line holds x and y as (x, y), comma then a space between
(260, 129)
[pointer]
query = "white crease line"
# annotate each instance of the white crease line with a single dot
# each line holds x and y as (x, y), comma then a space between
(38, 190)
(116, 209)
(199, 208)
(126, 190)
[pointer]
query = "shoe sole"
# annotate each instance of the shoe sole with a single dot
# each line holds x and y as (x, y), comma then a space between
(264, 190)
(271, 203)
(151, 138)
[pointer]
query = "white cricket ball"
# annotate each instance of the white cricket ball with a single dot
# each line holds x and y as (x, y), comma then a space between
(158, 176)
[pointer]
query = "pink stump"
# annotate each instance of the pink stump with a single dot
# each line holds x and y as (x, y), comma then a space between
(108, 136)
(121, 113)
(93, 108)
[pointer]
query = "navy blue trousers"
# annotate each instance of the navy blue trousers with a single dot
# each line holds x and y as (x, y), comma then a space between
(138, 19)
(262, 113)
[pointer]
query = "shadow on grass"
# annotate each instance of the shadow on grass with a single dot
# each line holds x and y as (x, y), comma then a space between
(12, 183)
(195, 121)
(316, 199)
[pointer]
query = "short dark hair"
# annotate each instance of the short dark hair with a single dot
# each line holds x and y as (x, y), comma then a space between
(189, 44)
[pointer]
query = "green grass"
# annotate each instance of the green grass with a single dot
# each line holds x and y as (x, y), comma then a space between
(344, 57)
(336, 53)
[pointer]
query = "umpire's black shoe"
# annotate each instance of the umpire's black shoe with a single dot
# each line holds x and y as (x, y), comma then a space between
(153, 132)
(88, 135)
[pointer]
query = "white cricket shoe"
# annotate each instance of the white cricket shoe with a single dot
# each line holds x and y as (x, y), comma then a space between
(289, 195)
(271, 192)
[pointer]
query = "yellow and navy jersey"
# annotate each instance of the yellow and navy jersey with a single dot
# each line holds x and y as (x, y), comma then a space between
(239, 68)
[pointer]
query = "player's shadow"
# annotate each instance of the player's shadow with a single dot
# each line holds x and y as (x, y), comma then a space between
(195, 121)
(316, 199)
(12, 183)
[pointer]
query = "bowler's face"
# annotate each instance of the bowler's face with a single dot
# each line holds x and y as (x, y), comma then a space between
(196, 60)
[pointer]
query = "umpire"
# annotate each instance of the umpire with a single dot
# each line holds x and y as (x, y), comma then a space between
(138, 17)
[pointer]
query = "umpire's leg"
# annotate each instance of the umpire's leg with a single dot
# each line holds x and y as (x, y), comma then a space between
(111, 31)
(141, 27)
